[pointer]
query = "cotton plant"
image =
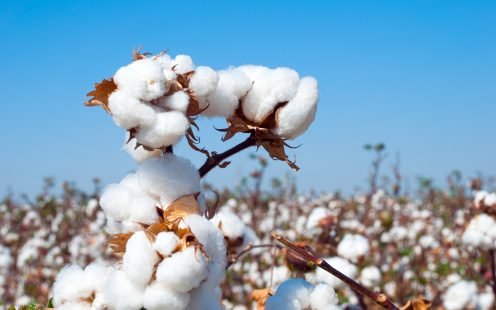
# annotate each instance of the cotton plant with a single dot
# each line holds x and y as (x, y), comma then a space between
(171, 255)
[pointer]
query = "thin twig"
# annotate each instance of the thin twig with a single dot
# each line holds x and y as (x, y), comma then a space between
(378, 297)
(247, 249)
(215, 159)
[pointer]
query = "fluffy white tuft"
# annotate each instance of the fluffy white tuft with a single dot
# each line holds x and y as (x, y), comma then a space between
(167, 130)
(165, 243)
(139, 259)
(158, 297)
(183, 64)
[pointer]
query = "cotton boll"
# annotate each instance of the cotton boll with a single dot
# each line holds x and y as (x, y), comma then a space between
(143, 79)
(168, 178)
(370, 276)
(139, 153)
(121, 293)
(230, 224)
(143, 210)
(291, 294)
(213, 244)
(297, 115)
(164, 60)
(95, 274)
(183, 64)
(168, 128)
(183, 271)
(204, 297)
(461, 295)
(64, 288)
(203, 81)
(353, 247)
(323, 297)
(165, 243)
(116, 198)
(481, 232)
(340, 264)
(158, 297)
(129, 112)
(270, 87)
(224, 100)
(178, 101)
(139, 259)
(485, 300)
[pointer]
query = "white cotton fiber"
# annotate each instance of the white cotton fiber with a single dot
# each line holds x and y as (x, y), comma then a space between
(164, 60)
(295, 118)
(224, 100)
(203, 81)
(117, 198)
(121, 293)
(143, 210)
(168, 128)
(370, 276)
(168, 178)
(353, 246)
(143, 79)
(461, 295)
(205, 297)
(323, 297)
(340, 264)
(183, 270)
(139, 259)
(159, 297)
(291, 294)
(75, 306)
(165, 243)
(64, 288)
(129, 112)
(214, 245)
(139, 153)
(183, 64)
(178, 101)
(270, 87)
(230, 224)
(481, 232)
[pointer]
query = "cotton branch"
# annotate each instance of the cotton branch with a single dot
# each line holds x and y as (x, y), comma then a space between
(215, 159)
(378, 297)
(234, 258)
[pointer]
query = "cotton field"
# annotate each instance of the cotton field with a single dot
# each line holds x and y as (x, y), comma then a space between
(161, 238)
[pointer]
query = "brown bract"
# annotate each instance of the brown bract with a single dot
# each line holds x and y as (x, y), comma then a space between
(261, 296)
(101, 94)
(417, 303)
(262, 133)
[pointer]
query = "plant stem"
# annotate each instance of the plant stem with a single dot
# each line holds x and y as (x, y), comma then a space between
(247, 249)
(215, 159)
(378, 297)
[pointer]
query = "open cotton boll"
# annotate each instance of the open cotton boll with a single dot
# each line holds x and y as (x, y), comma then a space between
(290, 294)
(129, 112)
(323, 297)
(139, 259)
(168, 128)
(96, 273)
(230, 224)
(340, 264)
(165, 243)
(481, 232)
(164, 60)
(353, 247)
(143, 210)
(178, 101)
(224, 100)
(121, 293)
(158, 297)
(116, 198)
(297, 115)
(183, 64)
(370, 276)
(461, 295)
(139, 153)
(168, 178)
(203, 81)
(64, 289)
(213, 244)
(183, 271)
(269, 88)
(142, 79)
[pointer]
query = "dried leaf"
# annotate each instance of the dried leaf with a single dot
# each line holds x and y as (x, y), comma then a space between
(275, 148)
(261, 296)
(117, 243)
(181, 208)
(101, 94)
(417, 303)
(224, 164)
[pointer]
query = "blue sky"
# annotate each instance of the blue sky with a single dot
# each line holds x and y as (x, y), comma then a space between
(417, 75)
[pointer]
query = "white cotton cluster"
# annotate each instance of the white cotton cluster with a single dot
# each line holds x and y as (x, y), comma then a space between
(370, 276)
(157, 183)
(141, 101)
(353, 247)
(461, 295)
(233, 228)
(313, 223)
(138, 152)
(481, 232)
(341, 264)
(485, 198)
(298, 294)
(75, 288)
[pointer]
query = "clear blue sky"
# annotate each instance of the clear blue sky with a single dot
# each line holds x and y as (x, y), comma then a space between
(417, 75)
